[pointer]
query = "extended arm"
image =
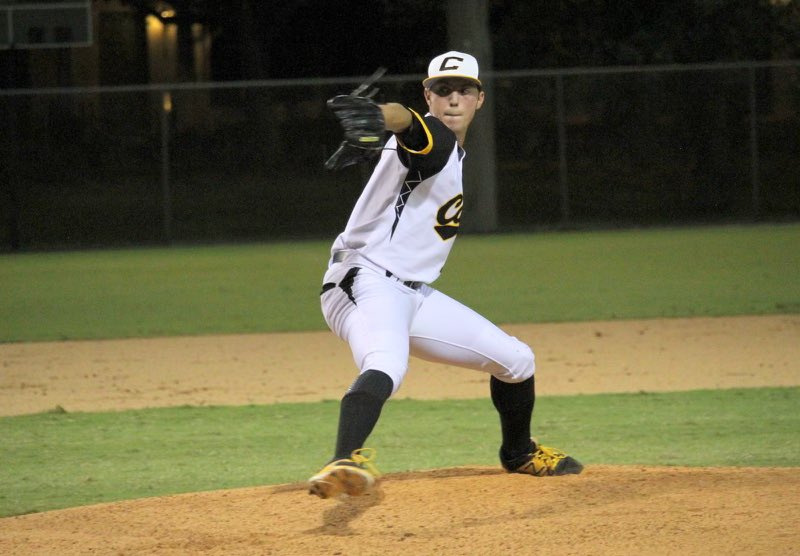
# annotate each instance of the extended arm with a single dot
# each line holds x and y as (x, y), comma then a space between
(397, 117)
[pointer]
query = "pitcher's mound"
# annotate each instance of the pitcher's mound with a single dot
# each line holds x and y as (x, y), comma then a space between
(470, 510)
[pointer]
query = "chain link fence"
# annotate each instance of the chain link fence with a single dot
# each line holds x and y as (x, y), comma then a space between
(242, 161)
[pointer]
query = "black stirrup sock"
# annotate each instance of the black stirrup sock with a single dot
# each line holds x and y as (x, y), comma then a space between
(360, 409)
(514, 402)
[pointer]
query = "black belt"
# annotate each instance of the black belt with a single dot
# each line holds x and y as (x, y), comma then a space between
(406, 283)
(339, 256)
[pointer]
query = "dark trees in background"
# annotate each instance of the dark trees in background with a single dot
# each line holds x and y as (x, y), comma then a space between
(305, 38)
(630, 32)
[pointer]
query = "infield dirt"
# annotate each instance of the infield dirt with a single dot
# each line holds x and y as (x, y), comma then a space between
(471, 510)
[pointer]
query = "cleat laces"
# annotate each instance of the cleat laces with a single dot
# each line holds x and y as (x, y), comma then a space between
(364, 457)
(549, 455)
(544, 460)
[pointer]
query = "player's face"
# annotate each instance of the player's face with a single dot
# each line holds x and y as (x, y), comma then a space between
(454, 102)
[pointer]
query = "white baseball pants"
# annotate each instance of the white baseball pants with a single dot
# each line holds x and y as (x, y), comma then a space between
(385, 321)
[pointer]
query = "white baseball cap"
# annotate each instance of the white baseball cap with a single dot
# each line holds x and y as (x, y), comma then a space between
(452, 64)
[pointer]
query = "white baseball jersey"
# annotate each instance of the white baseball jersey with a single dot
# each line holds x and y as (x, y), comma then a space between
(407, 217)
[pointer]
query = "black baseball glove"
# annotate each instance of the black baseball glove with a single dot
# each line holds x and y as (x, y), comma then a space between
(364, 130)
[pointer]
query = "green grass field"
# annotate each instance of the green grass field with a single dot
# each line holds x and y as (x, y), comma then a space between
(509, 278)
(56, 460)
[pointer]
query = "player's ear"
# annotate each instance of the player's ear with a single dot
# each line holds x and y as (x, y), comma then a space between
(481, 97)
(427, 93)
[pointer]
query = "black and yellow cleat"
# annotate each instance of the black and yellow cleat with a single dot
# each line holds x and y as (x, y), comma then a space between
(542, 461)
(352, 476)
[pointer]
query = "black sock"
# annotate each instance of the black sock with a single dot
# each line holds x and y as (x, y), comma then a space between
(514, 402)
(359, 410)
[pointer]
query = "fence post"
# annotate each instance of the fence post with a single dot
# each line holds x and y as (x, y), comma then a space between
(166, 199)
(562, 149)
(468, 31)
(11, 149)
(11, 154)
(754, 159)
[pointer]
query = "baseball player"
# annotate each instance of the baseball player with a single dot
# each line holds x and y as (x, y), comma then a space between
(376, 293)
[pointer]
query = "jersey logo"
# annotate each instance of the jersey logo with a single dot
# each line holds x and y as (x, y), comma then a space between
(445, 67)
(448, 217)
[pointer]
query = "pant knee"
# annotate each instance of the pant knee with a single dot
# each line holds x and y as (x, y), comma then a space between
(395, 369)
(521, 365)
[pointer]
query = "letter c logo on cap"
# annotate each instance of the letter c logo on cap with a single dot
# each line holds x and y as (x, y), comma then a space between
(445, 67)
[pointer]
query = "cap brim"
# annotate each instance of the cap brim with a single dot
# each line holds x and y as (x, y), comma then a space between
(427, 82)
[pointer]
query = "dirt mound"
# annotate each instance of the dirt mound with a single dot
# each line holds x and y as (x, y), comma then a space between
(606, 510)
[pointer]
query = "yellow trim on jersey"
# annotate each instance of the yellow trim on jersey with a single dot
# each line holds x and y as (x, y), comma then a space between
(429, 147)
